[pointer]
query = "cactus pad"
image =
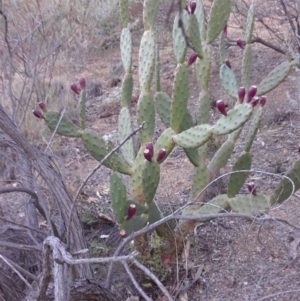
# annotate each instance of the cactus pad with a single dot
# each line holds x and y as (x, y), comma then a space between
(284, 188)
(127, 87)
(249, 204)
(180, 96)
(123, 7)
(194, 35)
(193, 137)
(137, 222)
(165, 141)
(118, 197)
(179, 40)
(235, 118)
(150, 180)
(99, 148)
(246, 66)
(274, 78)
(203, 67)
(126, 49)
(237, 180)
(146, 112)
(66, 127)
(228, 80)
(146, 60)
(218, 18)
(199, 13)
(125, 129)
(200, 179)
(163, 107)
(250, 24)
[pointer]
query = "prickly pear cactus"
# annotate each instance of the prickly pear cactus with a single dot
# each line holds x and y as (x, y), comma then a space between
(136, 208)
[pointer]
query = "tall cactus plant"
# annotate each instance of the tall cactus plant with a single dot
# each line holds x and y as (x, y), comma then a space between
(135, 209)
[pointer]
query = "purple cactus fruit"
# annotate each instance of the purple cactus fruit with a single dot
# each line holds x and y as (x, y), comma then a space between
(251, 93)
(225, 31)
(192, 59)
(42, 106)
(241, 94)
(82, 83)
(149, 146)
(161, 155)
(37, 114)
(227, 62)
(75, 89)
(254, 101)
(251, 188)
(240, 43)
(221, 107)
(192, 7)
(131, 211)
(147, 154)
(262, 100)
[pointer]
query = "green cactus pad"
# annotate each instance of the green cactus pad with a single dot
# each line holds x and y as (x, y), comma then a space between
(135, 223)
(118, 197)
(127, 87)
(228, 80)
(179, 40)
(221, 157)
(218, 204)
(66, 127)
(274, 78)
(163, 107)
(140, 209)
(123, 7)
(126, 49)
(146, 60)
(154, 213)
(150, 180)
(199, 13)
(222, 49)
(237, 180)
(125, 129)
(246, 66)
(203, 108)
(136, 177)
(218, 18)
(193, 137)
(284, 188)
(253, 128)
(157, 69)
(194, 35)
(235, 118)
(249, 204)
(191, 153)
(203, 67)
(165, 141)
(82, 109)
(180, 96)
(200, 179)
(149, 14)
(250, 24)
(146, 112)
(99, 148)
